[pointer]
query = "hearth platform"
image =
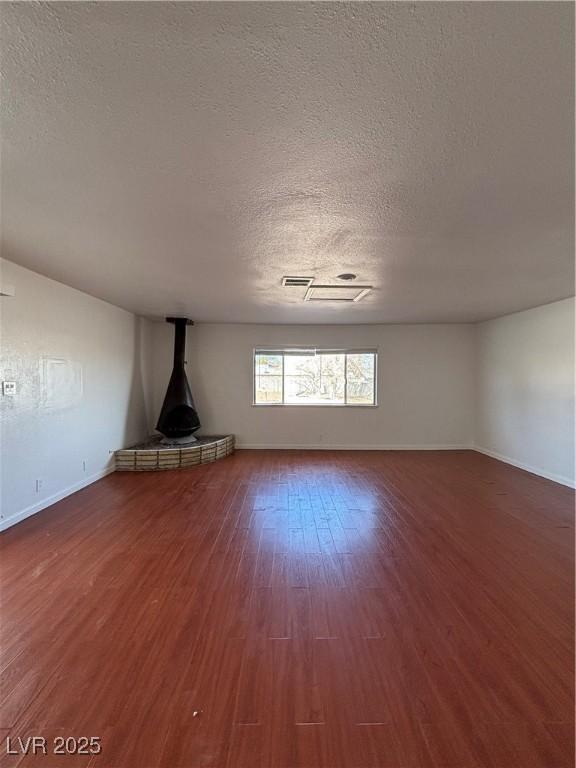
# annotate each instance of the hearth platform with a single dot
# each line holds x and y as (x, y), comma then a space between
(153, 455)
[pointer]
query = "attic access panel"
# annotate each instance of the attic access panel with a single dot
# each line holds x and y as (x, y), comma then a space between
(349, 293)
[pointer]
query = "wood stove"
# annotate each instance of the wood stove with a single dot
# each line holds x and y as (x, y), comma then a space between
(178, 418)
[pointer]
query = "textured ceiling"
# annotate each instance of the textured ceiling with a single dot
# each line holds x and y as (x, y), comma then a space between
(183, 157)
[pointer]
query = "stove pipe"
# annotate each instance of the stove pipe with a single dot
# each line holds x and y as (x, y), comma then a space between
(178, 417)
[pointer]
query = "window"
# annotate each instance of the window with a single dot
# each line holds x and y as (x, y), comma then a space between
(314, 377)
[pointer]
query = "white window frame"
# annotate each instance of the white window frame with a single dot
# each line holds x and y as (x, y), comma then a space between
(313, 351)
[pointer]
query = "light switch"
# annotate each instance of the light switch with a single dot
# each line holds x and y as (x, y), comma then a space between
(8, 387)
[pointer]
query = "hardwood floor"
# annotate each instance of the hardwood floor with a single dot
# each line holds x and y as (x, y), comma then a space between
(320, 609)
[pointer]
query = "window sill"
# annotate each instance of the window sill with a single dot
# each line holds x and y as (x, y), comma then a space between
(314, 405)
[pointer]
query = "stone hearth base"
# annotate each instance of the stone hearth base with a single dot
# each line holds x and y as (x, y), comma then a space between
(152, 455)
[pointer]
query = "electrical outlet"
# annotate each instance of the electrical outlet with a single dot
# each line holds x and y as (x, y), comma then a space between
(8, 387)
(39, 484)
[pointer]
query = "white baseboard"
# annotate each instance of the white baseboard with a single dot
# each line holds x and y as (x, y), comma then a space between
(49, 500)
(526, 467)
(325, 447)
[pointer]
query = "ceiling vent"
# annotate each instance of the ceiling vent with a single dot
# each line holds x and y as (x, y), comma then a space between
(297, 282)
(337, 292)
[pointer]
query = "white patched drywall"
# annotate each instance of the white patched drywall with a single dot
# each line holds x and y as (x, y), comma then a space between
(525, 390)
(425, 385)
(77, 363)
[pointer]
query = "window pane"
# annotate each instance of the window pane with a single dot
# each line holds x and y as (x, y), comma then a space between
(314, 379)
(360, 378)
(267, 378)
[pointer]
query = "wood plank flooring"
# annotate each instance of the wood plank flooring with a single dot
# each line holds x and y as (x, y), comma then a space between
(296, 610)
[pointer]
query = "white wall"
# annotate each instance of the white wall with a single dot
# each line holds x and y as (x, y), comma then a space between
(425, 385)
(525, 390)
(76, 362)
